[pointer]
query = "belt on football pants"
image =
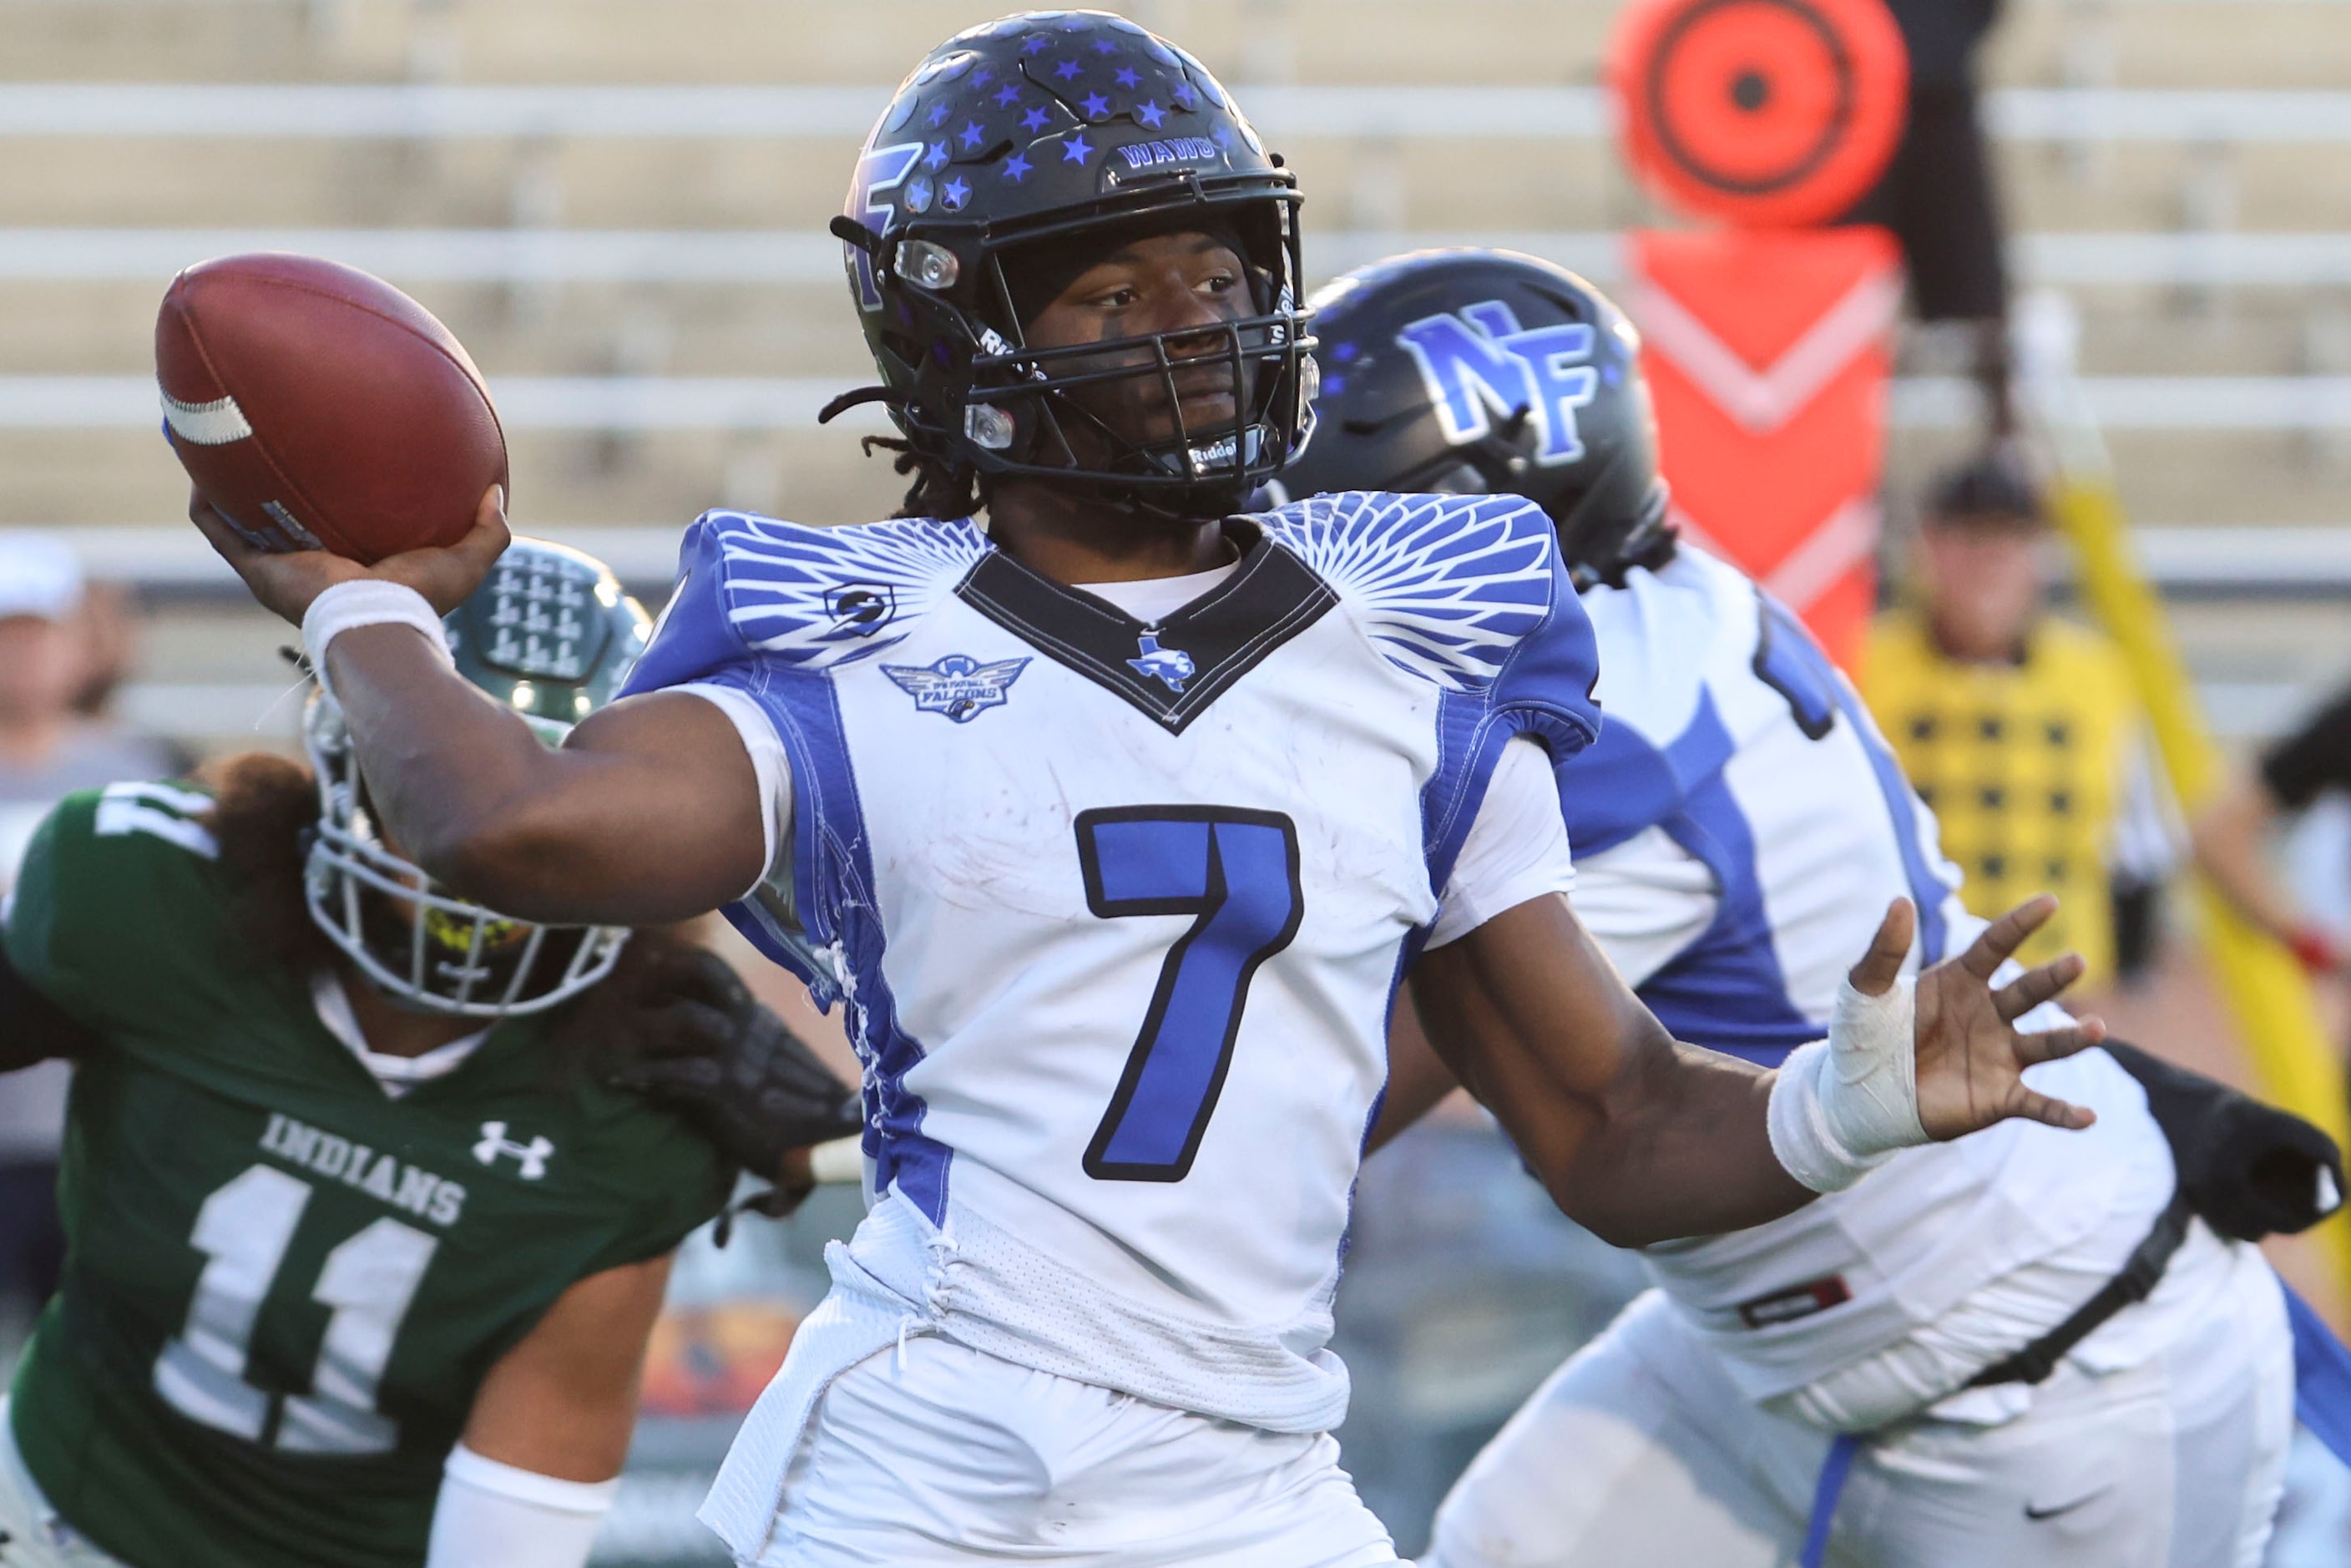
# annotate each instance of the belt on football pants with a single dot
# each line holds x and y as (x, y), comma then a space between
(2141, 1272)
(2322, 1402)
(2139, 1276)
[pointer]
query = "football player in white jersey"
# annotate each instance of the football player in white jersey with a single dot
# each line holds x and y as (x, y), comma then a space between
(1113, 825)
(1738, 826)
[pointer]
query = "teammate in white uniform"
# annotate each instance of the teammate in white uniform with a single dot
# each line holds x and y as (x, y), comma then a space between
(1736, 827)
(1114, 827)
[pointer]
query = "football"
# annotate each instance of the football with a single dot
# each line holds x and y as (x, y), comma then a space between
(318, 407)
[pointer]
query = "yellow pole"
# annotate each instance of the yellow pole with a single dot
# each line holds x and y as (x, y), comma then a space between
(2266, 989)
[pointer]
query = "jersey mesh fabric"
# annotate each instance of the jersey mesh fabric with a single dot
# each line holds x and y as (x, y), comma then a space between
(1805, 831)
(284, 1286)
(979, 789)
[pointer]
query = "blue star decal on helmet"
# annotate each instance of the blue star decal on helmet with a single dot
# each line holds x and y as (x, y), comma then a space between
(1184, 94)
(1126, 77)
(1223, 137)
(1104, 46)
(1150, 113)
(1035, 42)
(983, 76)
(1034, 119)
(971, 133)
(939, 111)
(1016, 167)
(936, 158)
(1075, 151)
(1069, 68)
(1344, 352)
(955, 194)
(1095, 105)
(1007, 96)
(918, 194)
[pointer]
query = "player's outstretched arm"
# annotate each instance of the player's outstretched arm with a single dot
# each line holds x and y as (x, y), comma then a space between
(1642, 1138)
(534, 1474)
(651, 813)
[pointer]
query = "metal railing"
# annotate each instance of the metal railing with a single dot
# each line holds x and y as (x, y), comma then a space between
(184, 111)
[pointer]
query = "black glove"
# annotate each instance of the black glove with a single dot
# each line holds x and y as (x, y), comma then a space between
(707, 1050)
(2250, 1170)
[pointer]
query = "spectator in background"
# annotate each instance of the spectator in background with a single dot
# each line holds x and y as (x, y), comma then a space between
(53, 658)
(1937, 196)
(2020, 729)
(2230, 831)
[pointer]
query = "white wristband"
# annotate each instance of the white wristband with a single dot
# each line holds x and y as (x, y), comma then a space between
(840, 1163)
(494, 1515)
(1842, 1106)
(366, 602)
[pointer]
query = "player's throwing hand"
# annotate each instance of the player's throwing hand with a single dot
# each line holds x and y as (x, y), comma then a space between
(285, 582)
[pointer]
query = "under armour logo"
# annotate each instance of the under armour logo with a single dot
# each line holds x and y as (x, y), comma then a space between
(1170, 666)
(532, 1155)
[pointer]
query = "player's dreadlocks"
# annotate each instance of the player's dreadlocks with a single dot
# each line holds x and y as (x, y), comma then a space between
(941, 488)
(263, 809)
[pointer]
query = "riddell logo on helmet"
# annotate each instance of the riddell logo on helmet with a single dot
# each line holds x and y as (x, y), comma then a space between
(1142, 155)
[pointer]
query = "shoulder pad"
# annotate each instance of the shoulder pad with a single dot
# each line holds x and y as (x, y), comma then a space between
(814, 597)
(1450, 585)
(818, 597)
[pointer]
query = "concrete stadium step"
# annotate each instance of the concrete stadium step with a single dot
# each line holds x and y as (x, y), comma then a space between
(747, 183)
(65, 476)
(2168, 476)
(802, 329)
(2151, 42)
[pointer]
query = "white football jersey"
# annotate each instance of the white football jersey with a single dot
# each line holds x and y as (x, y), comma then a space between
(1118, 910)
(1740, 828)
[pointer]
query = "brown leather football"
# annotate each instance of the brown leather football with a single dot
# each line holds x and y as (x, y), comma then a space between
(319, 408)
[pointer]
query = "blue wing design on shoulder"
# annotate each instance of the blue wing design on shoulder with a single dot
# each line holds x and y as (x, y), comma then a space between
(820, 597)
(1450, 585)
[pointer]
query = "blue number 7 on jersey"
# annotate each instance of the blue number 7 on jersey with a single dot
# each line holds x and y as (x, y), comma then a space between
(1235, 872)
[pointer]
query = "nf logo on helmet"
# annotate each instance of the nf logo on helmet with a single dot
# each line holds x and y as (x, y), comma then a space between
(1478, 366)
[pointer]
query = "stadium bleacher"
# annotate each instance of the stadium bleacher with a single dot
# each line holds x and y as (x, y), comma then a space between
(619, 206)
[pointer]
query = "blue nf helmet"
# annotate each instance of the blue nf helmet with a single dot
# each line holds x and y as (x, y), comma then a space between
(1010, 147)
(1487, 372)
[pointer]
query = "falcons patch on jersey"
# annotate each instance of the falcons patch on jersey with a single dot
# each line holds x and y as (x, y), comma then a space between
(1448, 585)
(958, 685)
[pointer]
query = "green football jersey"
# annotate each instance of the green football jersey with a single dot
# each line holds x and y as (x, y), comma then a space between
(284, 1286)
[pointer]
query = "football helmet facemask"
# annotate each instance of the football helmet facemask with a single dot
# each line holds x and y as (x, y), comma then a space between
(1478, 371)
(550, 634)
(1026, 139)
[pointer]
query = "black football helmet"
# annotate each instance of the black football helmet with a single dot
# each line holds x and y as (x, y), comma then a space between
(1033, 131)
(1484, 370)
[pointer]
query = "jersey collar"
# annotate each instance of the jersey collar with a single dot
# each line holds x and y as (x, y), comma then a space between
(396, 1075)
(1172, 670)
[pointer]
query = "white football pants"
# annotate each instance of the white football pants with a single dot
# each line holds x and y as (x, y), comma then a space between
(1640, 1449)
(936, 1456)
(32, 1535)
